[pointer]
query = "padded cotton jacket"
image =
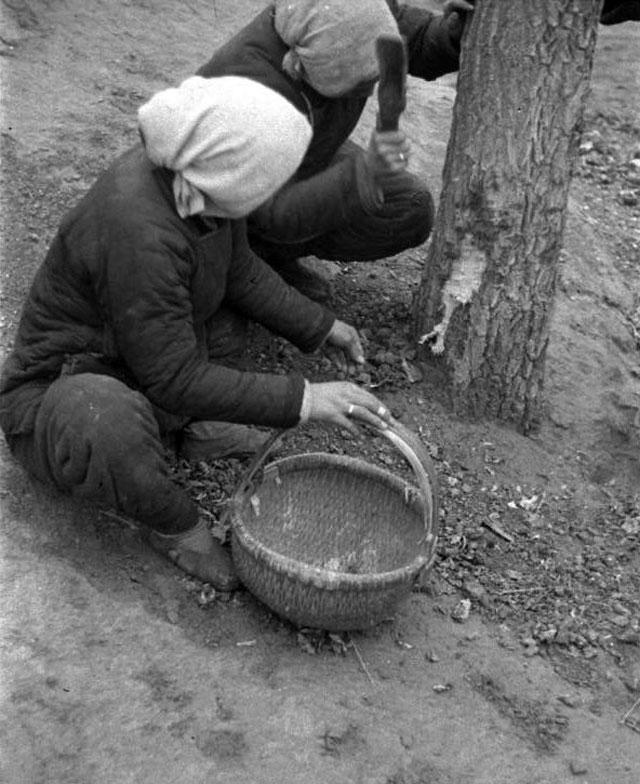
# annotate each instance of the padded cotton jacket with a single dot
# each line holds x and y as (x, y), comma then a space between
(130, 284)
(256, 52)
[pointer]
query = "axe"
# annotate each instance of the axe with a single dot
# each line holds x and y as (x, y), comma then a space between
(392, 87)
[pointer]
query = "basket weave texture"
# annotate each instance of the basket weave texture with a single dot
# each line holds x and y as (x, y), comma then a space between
(330, 541)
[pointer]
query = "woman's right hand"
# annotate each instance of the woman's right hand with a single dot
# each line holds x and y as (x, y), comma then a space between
(341, 402)
(387, 154)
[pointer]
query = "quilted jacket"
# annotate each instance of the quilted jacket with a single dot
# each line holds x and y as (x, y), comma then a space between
(128, 286)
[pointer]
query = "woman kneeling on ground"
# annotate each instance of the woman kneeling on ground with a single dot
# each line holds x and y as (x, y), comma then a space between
(130, 322)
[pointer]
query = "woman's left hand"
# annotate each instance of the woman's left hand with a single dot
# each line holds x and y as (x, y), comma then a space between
(346, 338)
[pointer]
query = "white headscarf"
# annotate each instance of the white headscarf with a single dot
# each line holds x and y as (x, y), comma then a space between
(332, 42)
(229, 138)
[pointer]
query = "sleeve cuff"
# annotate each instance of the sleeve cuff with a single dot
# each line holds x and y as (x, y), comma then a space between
(305, 408)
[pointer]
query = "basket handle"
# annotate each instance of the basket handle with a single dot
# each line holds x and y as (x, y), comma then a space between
(414, 452)
(406, 442)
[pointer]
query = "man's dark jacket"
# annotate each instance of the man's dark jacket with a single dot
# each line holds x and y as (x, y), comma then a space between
(130, 285)
(256, 52)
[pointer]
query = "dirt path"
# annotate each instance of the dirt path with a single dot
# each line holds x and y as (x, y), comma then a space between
(116, 669)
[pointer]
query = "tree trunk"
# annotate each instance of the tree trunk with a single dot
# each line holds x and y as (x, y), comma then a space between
(488, 285)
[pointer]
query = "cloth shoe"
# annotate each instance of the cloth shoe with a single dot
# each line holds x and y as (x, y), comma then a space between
(196, 552)
(215, 440)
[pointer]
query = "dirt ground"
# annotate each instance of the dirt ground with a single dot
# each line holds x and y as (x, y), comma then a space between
(116, 668)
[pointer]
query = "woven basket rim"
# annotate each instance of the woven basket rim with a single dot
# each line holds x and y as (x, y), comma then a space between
(315, 575)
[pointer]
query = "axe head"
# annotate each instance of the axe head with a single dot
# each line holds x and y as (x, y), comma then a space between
(392, 87)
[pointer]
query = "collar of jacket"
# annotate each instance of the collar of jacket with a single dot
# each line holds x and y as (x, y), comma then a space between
(199, 224)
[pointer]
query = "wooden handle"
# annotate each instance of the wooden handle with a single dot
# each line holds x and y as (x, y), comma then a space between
(392, 66)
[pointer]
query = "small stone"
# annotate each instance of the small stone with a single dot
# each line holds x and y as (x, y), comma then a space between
(633, 175)
(384, 358)
(631, 525)
(460, 612)
(474, 589)
(619, 608)
(578, 768)
(569, 700)
(629, 638)
(548, 634)
(628, 198)
(592, 636)
(595, 137)
(407, 740)
(620, 620)
(596, 708)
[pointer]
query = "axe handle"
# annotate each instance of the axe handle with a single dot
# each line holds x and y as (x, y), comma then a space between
(387, 120)
(392, 66)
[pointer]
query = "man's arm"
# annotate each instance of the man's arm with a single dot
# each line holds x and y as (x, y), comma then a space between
(433, 40)
(616, 11)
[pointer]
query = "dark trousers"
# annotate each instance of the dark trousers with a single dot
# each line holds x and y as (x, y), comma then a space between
(98, 439)
(403, 220)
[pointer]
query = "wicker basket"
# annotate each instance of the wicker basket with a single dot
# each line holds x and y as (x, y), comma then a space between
(334, 542)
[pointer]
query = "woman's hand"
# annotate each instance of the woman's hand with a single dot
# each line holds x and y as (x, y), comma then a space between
(388, 153)
(341, 403)
(345, 338)
(455, 12)
(456, 6)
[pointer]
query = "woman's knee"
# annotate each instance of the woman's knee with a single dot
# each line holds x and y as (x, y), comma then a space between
(98, 439)
(409, 206)
(425, 212)
(89, 420)
(403, 221)
(95, 403)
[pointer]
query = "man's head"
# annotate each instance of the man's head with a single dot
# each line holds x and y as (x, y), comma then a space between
(231, 141)
(332, 42)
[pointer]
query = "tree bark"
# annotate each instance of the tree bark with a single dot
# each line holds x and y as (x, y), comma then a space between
(487, 290)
